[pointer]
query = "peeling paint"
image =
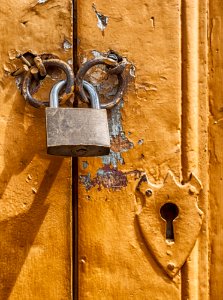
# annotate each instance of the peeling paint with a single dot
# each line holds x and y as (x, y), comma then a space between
(67, 45)
(96, 53)
(70, 61)
(115, 121)
(119, 142)
(85, 164)
(106, 87)
(102, 19)
(109, 178)
(140, 142)
(86, 181)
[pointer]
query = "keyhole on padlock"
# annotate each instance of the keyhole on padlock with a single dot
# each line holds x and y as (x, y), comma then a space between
(169, 212)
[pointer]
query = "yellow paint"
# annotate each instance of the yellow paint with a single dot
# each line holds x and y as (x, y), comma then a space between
(215, 145)
(35, 188)
(162, 125)
(156, 37)
(113, 260)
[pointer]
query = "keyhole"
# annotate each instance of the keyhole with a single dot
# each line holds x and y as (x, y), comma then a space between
(169, 212)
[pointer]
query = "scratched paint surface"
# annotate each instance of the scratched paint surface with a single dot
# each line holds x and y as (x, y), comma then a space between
(35, 188)
(145, 137)
(215, 146)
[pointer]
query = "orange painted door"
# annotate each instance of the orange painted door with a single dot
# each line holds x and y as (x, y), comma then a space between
(161, 126)
(168, 122)
(35, 188)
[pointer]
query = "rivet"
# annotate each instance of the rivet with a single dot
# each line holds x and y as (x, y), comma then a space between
(149, 193)
(170, 266)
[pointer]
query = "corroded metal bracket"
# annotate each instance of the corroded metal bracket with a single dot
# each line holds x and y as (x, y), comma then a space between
(169, 220)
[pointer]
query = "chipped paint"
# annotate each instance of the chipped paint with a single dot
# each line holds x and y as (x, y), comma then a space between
(119, 142)
(140, 142)
(42, 1)
(102, 19)
(106, 87)
(96, 53)
(109, 178)
(67, 45)
(70, 61)
(85, 164)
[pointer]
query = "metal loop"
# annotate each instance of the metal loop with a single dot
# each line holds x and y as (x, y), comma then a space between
(48, 63)
(40, 66)
(119, 68)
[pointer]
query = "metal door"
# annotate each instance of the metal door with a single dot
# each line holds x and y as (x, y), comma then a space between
(169, 120)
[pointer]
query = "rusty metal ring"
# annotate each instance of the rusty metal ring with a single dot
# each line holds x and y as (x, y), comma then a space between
(101, 61)
(50, 62)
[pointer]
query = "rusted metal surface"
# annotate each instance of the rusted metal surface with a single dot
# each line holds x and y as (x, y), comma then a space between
(109, 178)
(24, 60)
(40, 65)
(120, 70)
(49, 63)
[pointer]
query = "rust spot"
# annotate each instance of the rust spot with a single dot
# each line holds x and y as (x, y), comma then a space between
(120, 143)
(21, 69)
(109, 178)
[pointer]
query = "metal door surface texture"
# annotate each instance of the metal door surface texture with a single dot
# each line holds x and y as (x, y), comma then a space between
(161, 126)
(35, 188)
(82, 228)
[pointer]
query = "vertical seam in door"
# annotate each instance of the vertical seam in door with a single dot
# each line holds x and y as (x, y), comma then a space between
(75, 173)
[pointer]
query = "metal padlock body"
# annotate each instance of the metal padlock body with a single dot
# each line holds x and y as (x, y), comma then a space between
(170, 255)
(77, 131)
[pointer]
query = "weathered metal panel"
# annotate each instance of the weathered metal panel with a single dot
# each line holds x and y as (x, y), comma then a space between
(216, 150)
(161, 125)
(114, 261)
(35, 260)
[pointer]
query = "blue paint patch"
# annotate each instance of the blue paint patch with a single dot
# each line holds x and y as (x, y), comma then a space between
(85, 165)
(109, 178)
(113, 159)
(119, 142)
(117, 137)
(115, 121)
(86, 180)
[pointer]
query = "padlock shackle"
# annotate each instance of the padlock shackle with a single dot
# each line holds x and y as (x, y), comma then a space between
(54, 94)
(94, 99)
(55, 91)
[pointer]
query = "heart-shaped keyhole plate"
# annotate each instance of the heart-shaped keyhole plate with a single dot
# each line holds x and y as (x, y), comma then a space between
(170, 220)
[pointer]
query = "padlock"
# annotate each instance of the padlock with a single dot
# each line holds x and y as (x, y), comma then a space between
(76, 131)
